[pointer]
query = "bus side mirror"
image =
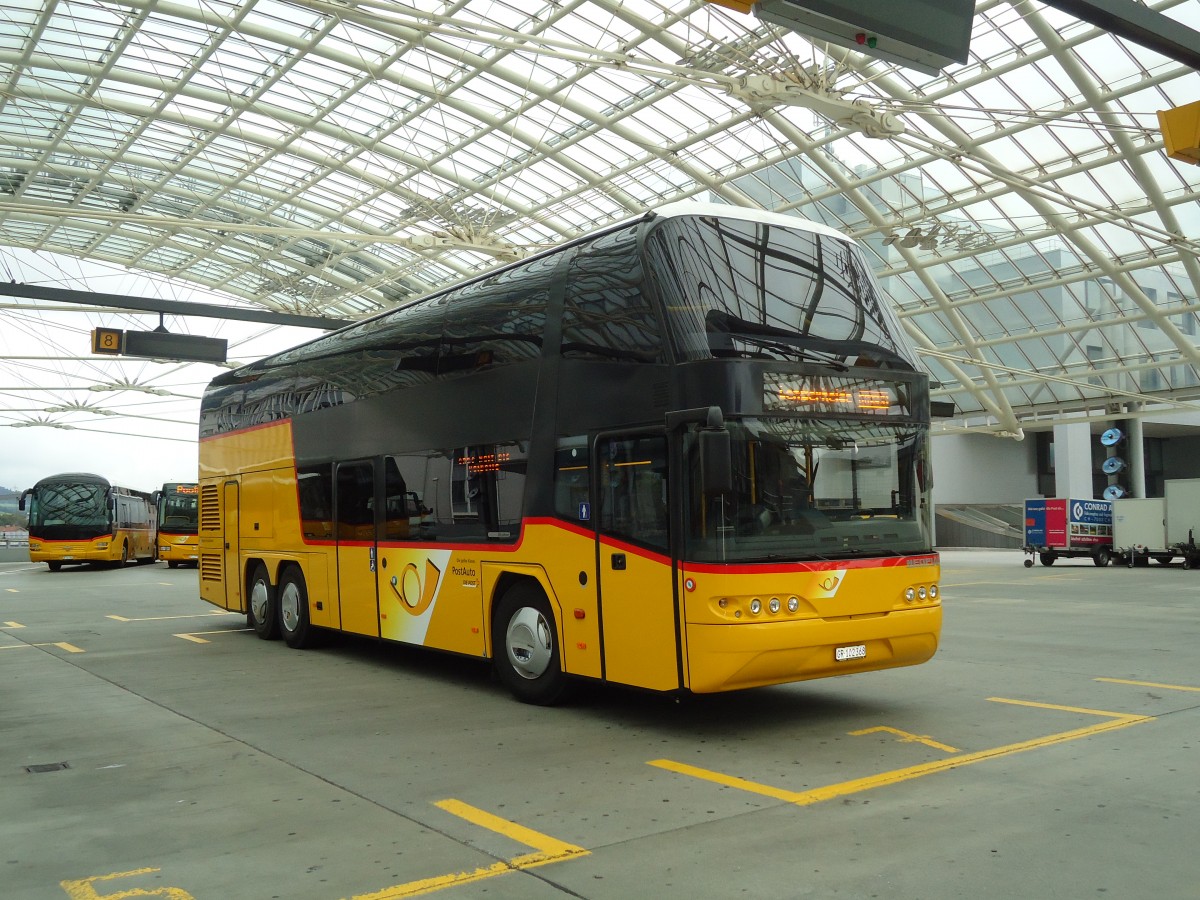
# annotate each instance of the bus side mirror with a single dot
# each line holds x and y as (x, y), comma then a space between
(21, 502)
(716, 465)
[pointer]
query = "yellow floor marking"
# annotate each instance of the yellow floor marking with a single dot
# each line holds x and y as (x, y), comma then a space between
(907, 737)
(13, 625)
(83, 889)
(166, 618)
(196, 639)
(61, 645)
(1153, 684)
(818, 795)
(547, 850)
(12, 590)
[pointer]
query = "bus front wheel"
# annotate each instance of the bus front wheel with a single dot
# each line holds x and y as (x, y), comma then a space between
(263, 609)
(298, 631)
(55, 566)
(525, 646)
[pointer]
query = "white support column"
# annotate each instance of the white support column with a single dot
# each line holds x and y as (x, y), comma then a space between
(1073, 460)
(1137, 459)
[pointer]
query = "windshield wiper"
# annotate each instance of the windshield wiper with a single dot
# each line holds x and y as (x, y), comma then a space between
(787, 350)
(718, 321)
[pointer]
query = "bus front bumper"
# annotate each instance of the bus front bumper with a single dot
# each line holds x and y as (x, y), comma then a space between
(728, 657)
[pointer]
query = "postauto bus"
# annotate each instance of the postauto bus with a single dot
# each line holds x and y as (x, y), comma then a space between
(687, 453)
(78, 517)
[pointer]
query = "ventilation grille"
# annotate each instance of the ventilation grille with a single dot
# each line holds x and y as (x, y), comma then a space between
(210, 508)
(210, 567)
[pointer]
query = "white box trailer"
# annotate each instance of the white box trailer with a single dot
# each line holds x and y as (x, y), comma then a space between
(1183, 519)
(1140, 531)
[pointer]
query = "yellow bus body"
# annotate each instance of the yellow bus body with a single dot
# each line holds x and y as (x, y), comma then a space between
(442, 596)
(178, 548)
(107, 548)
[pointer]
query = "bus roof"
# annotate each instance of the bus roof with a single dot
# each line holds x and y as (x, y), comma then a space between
(726, 211)
(677, 209)
(74, 478)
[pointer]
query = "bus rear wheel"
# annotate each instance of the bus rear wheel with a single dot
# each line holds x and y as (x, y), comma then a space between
(263, 609)
(55, 566)
(298, 632)
(525, 646)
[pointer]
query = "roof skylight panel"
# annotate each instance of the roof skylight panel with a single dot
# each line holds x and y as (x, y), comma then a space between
(540, 183)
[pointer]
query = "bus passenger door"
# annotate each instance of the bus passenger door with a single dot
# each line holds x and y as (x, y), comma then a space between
(232, 547)
(354, 531)
(637, 598)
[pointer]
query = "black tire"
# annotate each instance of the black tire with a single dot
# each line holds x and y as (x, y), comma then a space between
(1164, 559)
(262, 608)
(525, 646)
(55, 566)
(1100, 558)
(1047, 559)
(172, 564)
(292, 599)
(1187, 562)
(1029, 563)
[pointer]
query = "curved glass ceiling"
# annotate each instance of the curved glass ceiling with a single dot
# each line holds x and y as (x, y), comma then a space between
(326, 158)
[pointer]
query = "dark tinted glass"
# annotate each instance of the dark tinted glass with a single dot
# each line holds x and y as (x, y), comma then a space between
(605, 314)
(730, 286)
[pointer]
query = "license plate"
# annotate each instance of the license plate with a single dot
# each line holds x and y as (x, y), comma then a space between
(858, 651)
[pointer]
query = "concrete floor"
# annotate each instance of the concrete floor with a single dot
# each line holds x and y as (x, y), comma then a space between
(150, 746)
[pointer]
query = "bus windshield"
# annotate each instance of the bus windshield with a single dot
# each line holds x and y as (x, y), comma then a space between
(178, 511)
(747, 289)
(807, 489)
(70, 511)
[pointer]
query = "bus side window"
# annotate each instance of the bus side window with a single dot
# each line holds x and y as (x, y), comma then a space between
(355, 502)
(473, 493)
(633, 489)
(572, 490)
(316, 501)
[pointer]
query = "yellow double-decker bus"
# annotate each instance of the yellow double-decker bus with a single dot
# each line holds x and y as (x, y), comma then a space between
(687, 453)
(78, 517)
(178, 505)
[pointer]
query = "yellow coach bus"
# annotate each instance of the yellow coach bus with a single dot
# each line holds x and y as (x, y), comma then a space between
(178, 506)
(687, 453)
(78, 517)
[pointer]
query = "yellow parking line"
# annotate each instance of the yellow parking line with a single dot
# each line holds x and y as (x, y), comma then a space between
(906, 737)
(166, 618)
(841, 789)
(547, 850)
(195, 638)
(13, 625)
(1152, 684)
(61, 645)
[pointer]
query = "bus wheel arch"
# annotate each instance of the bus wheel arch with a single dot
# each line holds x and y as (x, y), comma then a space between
(262, 605)
(526, 649)
(292, 598)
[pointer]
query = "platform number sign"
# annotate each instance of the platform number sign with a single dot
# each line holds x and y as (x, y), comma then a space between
(108, 341)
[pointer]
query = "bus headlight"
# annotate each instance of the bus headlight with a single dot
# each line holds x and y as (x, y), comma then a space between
(910, 594)
(793, 604)
(755, 606)
(933, 592)
(773, 606)
(921, 592)
(103, 545)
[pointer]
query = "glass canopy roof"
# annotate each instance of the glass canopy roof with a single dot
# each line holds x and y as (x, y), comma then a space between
(334, 159)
